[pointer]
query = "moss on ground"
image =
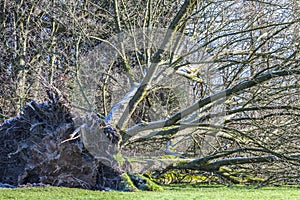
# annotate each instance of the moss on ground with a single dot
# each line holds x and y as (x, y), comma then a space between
(135, 182)
(126, 184)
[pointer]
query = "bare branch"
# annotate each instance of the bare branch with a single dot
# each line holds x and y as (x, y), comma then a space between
(203, 102)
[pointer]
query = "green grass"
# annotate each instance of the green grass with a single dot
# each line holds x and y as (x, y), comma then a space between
(184, 192)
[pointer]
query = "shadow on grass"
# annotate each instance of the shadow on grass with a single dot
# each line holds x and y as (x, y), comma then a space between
(197, 186)
(185, 186)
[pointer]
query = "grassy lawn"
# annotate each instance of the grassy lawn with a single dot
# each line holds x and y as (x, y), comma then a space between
(171, 192)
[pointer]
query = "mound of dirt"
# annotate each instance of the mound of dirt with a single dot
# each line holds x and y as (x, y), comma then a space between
(45, 145)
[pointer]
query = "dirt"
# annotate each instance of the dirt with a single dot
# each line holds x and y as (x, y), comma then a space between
(45, 145)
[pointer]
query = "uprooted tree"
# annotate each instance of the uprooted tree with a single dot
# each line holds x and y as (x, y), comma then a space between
(214, 84)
